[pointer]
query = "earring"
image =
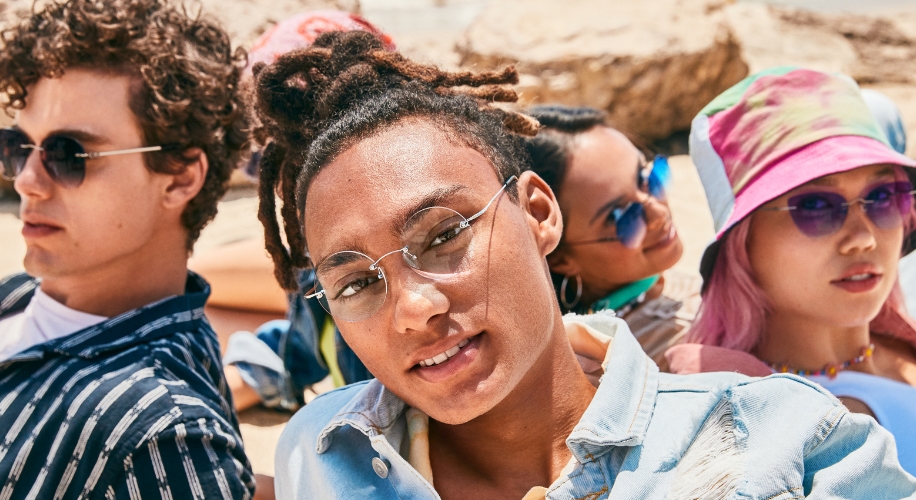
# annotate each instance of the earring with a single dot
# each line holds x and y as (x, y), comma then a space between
(569, 305)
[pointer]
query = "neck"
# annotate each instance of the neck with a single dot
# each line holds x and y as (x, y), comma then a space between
(807, 344)
(533, 422)
(125, 283)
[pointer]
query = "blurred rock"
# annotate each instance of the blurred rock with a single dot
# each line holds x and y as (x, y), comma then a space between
(769, 37)
(870, 48)
(651, 64)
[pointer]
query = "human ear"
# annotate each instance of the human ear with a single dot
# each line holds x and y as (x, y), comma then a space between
(543, 212)
(561, 262)
(184, 185)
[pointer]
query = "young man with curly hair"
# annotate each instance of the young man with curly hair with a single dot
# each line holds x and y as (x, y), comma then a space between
(128, 123)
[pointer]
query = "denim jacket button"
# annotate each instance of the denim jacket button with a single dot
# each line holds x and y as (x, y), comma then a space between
(380, 466)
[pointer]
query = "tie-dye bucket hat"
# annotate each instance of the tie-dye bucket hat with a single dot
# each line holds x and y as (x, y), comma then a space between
(774, 131)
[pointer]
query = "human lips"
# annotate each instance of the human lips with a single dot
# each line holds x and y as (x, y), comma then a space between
(668, 237)
(444, 356)
(447, 362)
(35, 226)
(859, 278)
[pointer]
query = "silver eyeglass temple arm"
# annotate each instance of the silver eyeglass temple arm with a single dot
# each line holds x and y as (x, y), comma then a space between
(484, 209)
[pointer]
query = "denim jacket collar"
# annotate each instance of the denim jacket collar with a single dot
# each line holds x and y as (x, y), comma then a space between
(373, 411)
(618, 415)
(621, 410)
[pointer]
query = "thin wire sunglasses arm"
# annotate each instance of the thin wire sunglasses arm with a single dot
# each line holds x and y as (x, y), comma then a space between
(100, 154)
(467, 222)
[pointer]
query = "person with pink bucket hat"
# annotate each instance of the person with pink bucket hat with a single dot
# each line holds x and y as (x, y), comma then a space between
(812, 209)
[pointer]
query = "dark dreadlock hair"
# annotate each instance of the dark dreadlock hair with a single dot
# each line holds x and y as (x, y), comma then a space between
(315, 103)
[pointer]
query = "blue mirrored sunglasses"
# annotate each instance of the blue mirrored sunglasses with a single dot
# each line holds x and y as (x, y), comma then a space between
(630, 221)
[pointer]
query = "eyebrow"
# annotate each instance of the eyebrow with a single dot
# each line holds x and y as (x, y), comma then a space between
(400, 225)
(641, 163)
(823, 181)
(828, 181)
(83, 136)
(338, 259)
(403, 222)
(607, 207)
(884, 172)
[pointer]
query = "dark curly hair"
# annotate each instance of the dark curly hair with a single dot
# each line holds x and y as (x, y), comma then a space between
(186, 79)
(315, 103)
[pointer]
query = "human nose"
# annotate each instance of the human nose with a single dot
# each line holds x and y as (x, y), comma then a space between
(33, 180)
(417, 300)
(858, 232)
(657, 213)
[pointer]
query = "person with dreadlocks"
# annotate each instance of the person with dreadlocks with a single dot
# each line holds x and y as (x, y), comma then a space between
(405, 189)
(272, 361)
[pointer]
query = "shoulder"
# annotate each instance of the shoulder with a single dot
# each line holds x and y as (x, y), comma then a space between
(788, 388)
(776, 391)
(306, 466)
(307, 424)
(191, 457)
(16, 291)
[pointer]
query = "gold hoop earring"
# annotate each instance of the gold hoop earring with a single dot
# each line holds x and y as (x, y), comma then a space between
(569, 305)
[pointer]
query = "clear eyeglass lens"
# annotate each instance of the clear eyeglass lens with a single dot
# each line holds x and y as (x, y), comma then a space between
(438, 241)
(352, 292)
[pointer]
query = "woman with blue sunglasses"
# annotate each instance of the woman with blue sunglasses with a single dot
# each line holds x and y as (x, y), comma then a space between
(619, 240)
(812, 209)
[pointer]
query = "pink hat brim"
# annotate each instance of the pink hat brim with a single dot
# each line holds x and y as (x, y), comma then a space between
(825, 157)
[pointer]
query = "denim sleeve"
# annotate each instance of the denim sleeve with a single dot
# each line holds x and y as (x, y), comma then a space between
(857, 459)
(258, 358)
(283, 357)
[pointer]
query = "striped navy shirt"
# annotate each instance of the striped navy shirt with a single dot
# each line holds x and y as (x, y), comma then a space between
(133, 407)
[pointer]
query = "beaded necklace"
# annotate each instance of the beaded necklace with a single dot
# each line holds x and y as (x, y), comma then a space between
(829, 370)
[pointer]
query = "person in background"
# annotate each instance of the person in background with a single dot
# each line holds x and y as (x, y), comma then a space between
(888, 116)
(619, 239)
(273, 362)
(428, 236)
(128, 122)
(812, 208)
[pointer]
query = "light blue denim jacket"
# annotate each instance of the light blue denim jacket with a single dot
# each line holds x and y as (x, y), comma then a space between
(645, 435)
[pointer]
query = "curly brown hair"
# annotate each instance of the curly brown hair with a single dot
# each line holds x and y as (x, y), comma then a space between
(186, 92)
(316, 102)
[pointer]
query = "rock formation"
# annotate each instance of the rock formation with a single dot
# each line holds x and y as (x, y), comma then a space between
(652, 64)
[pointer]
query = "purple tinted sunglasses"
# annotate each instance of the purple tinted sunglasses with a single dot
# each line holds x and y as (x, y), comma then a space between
(823, 213)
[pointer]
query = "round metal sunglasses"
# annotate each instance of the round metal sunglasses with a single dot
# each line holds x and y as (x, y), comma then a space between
(63, 157)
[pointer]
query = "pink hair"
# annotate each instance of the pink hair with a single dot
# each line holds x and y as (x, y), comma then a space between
(734, 307)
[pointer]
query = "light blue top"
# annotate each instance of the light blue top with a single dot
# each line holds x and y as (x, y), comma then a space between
(893, 404)
(645, 435)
